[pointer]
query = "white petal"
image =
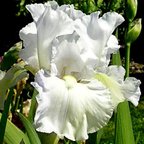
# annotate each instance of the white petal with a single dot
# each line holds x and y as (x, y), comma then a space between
(29, 36)
(116, 72)
(95, 32)
(51, 25)
(128, 89)
(53, 4)
(72, 13)
(36, 10)
(71, 110)
(112, 44)
(112, 47)
(114, 87)
(131, 90)
(69, 57)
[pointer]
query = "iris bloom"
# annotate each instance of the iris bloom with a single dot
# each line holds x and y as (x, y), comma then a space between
(77, 91)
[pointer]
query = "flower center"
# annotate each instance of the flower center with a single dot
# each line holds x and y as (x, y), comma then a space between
(70, 81)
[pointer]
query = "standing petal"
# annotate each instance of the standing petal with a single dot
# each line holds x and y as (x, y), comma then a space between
(29, 36)
(52, 24)
(36, 10)
(69, 57)
(95, 32)
(49, 24)
(69, 108)
(72, 13)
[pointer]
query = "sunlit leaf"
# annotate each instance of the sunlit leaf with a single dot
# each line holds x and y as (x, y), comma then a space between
(11, 56)
(14, 135)
(12, 76)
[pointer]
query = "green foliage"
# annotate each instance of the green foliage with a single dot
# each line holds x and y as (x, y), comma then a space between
(33, 137)
(14, 135)
(11, 78)
(10, 57)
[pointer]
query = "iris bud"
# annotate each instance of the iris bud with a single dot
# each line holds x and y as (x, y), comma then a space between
(134, 31)
(131, 9)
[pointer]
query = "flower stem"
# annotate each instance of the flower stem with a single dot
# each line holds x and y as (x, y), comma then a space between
(127, 59)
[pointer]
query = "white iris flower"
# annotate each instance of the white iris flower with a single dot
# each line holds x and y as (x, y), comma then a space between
(77, 91)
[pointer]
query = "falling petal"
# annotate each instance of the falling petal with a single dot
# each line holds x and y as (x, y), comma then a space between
(131, 90)
(71, 109)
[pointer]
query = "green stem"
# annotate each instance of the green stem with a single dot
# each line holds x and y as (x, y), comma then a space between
(5, 115)
(127, 59)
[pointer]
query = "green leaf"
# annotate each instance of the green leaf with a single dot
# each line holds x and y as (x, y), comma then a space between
(124, 132)
(14, 135)
(12, 76)
(11, 56)
(33, 136)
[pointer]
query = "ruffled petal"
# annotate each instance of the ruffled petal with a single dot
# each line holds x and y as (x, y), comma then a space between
(121, 90)
(131, 90)
(70, 58)
(29, 36)
(130, 87)
(69, 108)
(116, 72)
(36, 10)
(95, 42)
(52, 24)
(72, 13)
(67, 55)
(95, 32)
